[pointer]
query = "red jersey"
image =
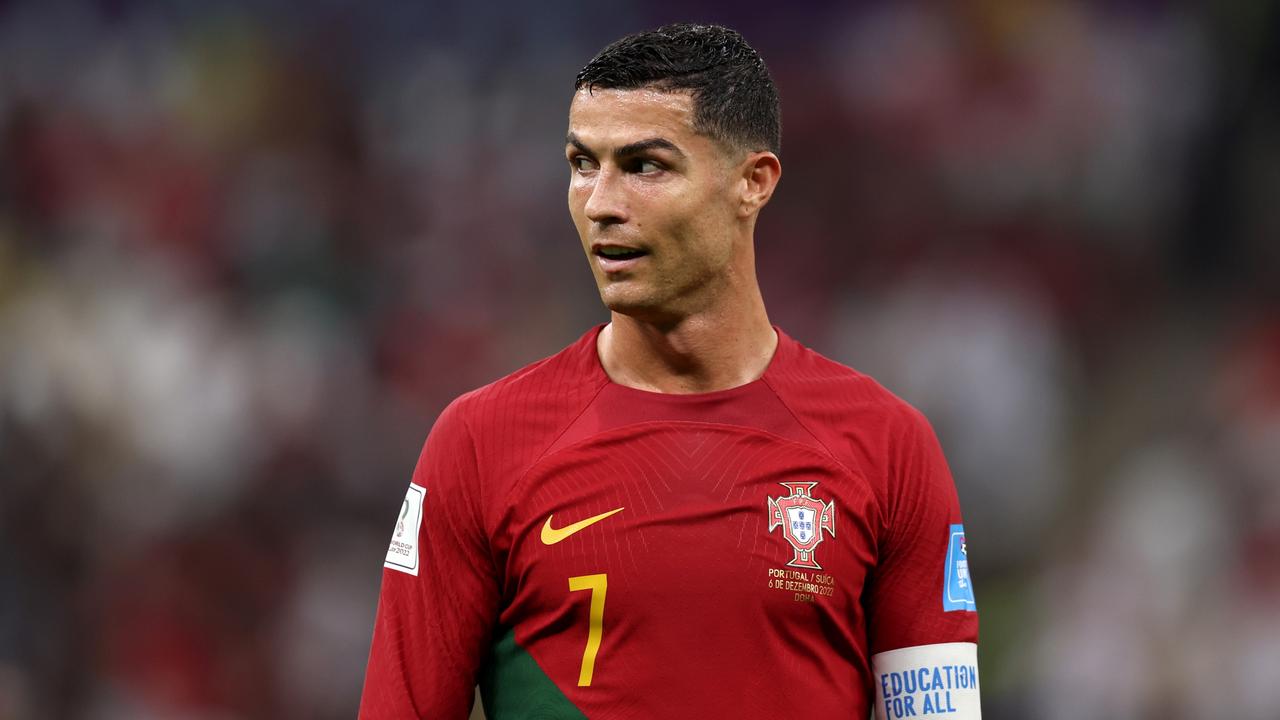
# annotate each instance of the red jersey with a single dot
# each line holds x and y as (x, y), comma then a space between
(581, 548)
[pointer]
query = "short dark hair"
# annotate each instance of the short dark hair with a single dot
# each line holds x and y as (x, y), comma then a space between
(734, 98)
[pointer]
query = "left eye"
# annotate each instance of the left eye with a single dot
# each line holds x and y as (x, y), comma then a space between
(648, 166)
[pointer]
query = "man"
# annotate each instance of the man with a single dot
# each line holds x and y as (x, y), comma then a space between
(686, 513)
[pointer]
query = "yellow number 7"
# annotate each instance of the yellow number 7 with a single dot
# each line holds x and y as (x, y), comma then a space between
(597, 584)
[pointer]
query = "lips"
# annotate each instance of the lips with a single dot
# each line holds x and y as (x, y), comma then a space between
(614, 258)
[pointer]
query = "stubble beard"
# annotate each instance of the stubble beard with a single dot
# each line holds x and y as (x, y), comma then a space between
(657, 302)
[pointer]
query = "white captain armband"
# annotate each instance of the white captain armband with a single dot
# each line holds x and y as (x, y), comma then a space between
(927, 681)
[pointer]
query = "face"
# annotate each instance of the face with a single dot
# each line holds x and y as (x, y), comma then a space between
(655, 203)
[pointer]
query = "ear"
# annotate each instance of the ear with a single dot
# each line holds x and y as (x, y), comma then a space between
(760, 174)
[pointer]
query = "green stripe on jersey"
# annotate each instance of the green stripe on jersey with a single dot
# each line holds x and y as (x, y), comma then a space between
(513, 687)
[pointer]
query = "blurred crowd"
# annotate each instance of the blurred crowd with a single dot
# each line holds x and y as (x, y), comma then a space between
(248, 250)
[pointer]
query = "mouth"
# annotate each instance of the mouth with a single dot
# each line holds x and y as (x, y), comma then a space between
(617, 258)
(617, 252)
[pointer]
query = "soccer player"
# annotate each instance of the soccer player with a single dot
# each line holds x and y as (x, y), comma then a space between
(685, 513)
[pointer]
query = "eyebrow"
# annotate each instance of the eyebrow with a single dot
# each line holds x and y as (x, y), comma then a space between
(635, 148)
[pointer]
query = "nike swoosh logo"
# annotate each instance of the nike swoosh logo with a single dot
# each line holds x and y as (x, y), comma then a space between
(551, 536)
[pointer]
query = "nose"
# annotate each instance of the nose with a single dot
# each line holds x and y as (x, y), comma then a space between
(606, 205)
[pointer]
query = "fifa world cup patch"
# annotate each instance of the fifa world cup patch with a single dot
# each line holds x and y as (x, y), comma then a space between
(402, 554)
(957, 591)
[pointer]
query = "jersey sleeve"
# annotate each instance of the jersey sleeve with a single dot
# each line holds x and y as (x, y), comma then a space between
(921, 612)
(440, 590)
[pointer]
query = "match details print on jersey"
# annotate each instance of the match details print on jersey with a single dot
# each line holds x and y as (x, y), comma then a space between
(803, 520)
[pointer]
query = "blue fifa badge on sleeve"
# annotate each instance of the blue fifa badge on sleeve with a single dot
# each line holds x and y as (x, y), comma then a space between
(957, 591)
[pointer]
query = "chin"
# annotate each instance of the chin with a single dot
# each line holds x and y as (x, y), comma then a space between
(628, 306)
(632, 304)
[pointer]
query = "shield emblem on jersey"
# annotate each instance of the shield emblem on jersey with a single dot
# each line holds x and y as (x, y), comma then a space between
(803, 518)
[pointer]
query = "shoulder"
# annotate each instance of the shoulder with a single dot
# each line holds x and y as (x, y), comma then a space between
(873, 432)
(867, 428)
(815, 385)
(517, 415)
(551, 381)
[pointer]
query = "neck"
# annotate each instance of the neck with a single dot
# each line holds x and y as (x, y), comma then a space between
(717, 349)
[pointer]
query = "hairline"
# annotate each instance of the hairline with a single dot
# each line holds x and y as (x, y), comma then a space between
(734, 150)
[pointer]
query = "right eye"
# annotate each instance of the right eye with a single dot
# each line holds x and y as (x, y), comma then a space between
(582, 163)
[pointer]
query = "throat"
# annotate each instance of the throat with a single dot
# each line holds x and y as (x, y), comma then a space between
(690, 359)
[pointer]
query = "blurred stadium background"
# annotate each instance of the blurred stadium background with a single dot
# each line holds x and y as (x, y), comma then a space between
(248, 250)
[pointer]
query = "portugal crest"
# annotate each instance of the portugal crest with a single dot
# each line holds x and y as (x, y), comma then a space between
(803, 518)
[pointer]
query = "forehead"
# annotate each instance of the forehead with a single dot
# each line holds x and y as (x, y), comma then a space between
(612, 117)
